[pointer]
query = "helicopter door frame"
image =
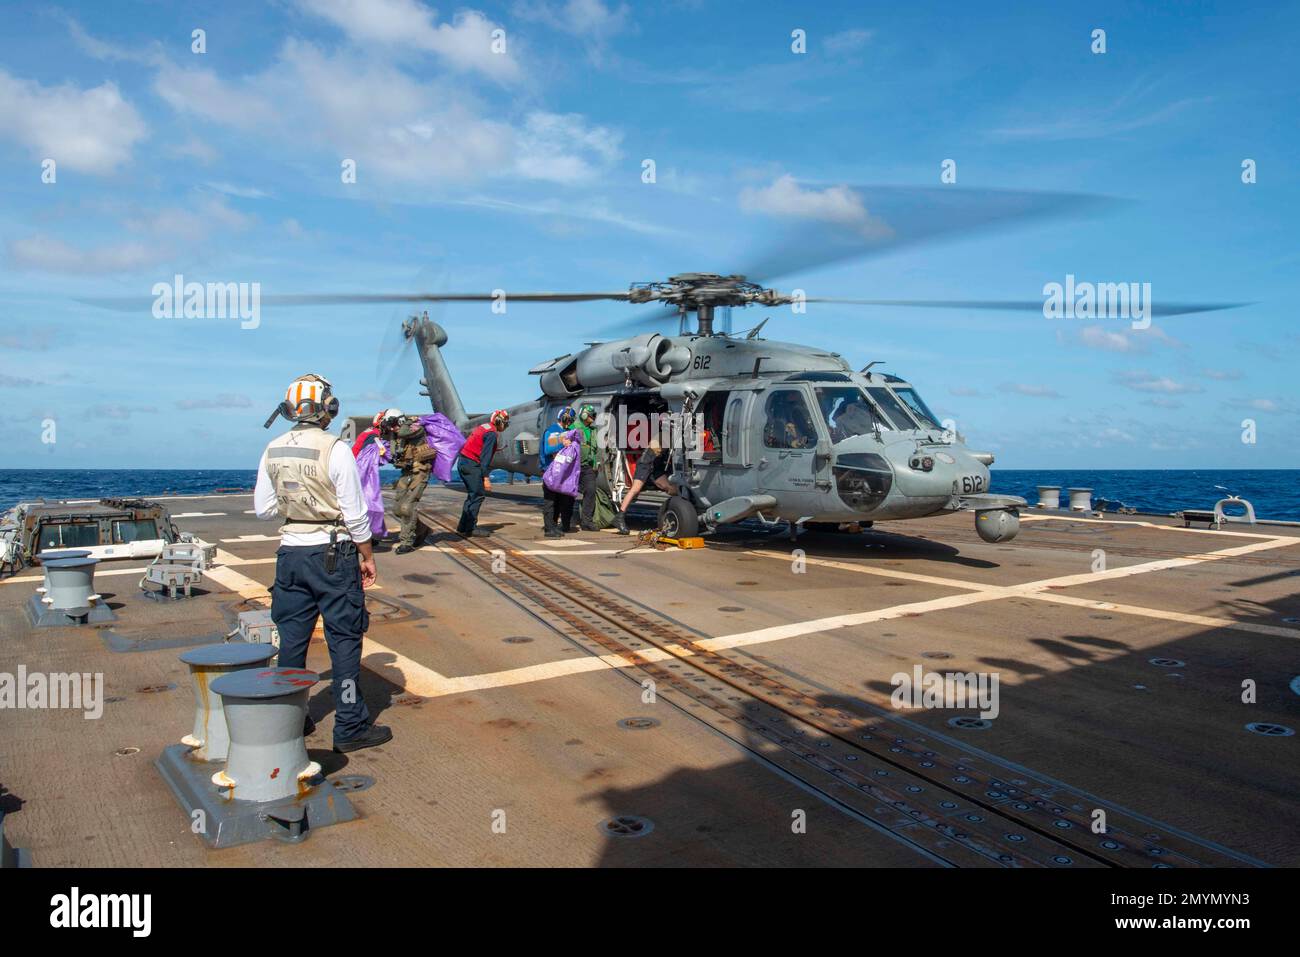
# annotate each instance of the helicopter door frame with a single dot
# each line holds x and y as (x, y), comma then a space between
(736, 448)
(819, 440)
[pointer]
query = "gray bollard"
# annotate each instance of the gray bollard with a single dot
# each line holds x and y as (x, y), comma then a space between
(210, 739)
(1081, 500)
(265, 711)
(67, 596)
(1049, 496)
(57, 553)
(70, 583)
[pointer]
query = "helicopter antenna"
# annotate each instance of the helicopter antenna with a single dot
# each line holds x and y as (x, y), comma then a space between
(753, 333)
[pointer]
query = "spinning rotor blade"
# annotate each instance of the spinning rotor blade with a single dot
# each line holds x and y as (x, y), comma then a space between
(341, 299)
(1025, 305)
(847, 223)
(660, 320)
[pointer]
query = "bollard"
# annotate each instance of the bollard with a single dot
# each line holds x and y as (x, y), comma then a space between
(265, 711)
(57, 553)
(209, 739)
(70, 583)
(67, 596)
(1049, 496)
(1081, 500)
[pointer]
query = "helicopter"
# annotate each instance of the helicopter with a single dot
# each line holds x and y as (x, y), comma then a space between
(781, 432)
(770, 430)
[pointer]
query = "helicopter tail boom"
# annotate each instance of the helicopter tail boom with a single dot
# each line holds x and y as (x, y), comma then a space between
(429, 339)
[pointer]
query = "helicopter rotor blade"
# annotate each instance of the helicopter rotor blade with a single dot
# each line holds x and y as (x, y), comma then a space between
(137, 303)
(1023, 305)
(362, 298)
(657, 321)
(868, 221)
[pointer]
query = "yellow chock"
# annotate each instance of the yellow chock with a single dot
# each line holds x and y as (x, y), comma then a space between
(695, 542)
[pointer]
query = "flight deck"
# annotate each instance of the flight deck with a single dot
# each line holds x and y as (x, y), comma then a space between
(600, 700)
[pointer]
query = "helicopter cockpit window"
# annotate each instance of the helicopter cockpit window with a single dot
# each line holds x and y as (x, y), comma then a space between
(892, 408)
(847, 413)
(789, 426)
(918, 407)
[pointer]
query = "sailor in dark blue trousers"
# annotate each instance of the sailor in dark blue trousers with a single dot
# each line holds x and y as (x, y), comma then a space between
(309, 478)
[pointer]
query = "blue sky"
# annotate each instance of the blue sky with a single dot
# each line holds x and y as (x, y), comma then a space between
(523, 170)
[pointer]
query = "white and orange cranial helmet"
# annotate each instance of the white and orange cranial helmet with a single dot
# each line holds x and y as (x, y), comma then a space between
(499, 419)
(311, 398)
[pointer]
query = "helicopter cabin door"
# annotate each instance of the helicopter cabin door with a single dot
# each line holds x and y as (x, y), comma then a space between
(793, 453)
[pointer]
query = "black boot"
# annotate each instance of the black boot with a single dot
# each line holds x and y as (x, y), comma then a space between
(373, 736)
(621, 523)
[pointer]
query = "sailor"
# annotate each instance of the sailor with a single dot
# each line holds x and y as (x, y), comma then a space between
(652, 466)
(557, 510)
(370, 434)
(474, 466)
(414, 456)
(587, 481)
(308, 478)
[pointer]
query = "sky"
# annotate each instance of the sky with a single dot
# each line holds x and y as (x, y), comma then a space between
(508, 146)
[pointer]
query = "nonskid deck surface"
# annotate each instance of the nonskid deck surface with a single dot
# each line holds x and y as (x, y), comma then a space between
(517, 671)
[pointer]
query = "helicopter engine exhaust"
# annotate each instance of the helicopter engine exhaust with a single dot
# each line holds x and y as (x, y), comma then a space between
(997, 524)
(649, 360)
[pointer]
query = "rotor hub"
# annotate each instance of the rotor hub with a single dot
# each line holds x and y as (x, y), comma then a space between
(692, 290)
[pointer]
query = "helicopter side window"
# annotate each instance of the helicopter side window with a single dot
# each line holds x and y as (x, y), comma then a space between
(789, 426)
(919, 409)
(712, 410)
(847, 413)
(893, 409)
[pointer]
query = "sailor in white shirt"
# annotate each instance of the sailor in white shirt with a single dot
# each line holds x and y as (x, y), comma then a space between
(308, 478)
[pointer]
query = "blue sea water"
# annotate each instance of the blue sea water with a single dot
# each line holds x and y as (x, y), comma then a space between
(1275, 493)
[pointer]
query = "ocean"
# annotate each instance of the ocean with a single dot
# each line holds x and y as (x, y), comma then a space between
(1275, 493)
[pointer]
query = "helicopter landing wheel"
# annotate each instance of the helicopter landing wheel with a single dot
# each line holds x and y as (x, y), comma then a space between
(678, 519)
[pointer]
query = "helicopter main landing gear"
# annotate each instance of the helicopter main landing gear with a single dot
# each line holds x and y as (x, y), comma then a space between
(678, 519)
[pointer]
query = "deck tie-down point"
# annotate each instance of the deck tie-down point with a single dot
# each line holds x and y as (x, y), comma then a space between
(265, 785)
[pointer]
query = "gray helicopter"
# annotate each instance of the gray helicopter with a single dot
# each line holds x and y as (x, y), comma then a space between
(756, 429)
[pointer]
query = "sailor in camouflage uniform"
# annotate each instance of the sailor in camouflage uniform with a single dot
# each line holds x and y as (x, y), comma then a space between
(413, 455)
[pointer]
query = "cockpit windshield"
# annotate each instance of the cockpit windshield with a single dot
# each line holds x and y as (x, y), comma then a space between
(918, 407)
(847, 412)
(892, 408)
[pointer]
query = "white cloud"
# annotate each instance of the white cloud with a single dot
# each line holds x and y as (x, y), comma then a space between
(90, 131)
(398, 129)
(1097, 337)
(835, 204)
(49, 254)
(846, 41)
(561, 148)
(1140, 381)
(587, 18)
(198, 91)
(242, 192)
(465, 44)
(159, 236)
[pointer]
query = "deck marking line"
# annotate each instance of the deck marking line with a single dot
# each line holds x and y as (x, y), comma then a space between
(973, 593)
(388, 664)
(1156, 526)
